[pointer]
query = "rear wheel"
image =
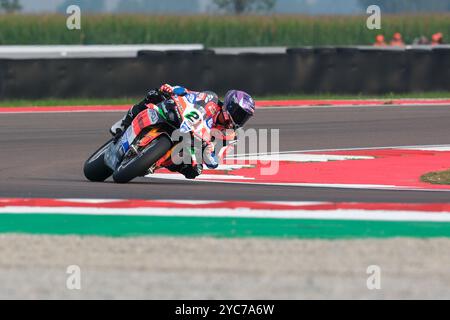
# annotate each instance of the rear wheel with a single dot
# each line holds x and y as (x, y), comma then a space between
(95, 168)
(137, 165)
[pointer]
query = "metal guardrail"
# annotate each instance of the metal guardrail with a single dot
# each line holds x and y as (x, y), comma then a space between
(281, 50)
(86, 51)
(261, 50)
(131, 51)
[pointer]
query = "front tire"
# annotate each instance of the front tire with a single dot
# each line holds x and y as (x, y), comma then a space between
(138, 166)
(95, 168)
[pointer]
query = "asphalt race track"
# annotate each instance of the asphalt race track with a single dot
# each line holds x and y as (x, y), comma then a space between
(43, 153)
(42, 156)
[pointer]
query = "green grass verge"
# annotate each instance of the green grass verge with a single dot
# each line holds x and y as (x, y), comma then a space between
(441, 177)
(221, 227)
(130, 101)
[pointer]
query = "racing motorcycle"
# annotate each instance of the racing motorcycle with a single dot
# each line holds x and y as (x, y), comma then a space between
(147, 144)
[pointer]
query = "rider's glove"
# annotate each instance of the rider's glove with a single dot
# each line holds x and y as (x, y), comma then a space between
(166, 88)
(177, 90)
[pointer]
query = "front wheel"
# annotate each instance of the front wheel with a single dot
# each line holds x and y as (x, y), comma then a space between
(95, 168)
(138, 165)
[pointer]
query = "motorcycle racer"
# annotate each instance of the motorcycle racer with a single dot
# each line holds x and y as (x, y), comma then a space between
(224, 116)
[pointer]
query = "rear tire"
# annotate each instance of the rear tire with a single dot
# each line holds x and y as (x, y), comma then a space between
(95, 168)
(139, 165)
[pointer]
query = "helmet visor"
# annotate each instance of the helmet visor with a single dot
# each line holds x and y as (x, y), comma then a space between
(238, 115)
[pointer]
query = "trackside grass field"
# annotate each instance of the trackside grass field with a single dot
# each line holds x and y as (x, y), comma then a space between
(130, 100)
(223, 31)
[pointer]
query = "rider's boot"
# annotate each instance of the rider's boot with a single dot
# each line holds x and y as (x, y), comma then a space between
(118, 126)
(122, 125)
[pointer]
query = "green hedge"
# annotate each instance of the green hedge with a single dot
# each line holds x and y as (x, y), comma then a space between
(215, 30)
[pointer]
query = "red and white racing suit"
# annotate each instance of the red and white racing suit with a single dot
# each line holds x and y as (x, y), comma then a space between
(214, 138)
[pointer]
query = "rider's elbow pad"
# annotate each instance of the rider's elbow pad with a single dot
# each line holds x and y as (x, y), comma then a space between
(179, 91)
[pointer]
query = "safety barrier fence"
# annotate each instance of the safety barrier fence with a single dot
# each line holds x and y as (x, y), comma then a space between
(346, 70)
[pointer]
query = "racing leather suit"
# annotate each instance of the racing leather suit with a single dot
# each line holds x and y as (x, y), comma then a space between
(210, 107)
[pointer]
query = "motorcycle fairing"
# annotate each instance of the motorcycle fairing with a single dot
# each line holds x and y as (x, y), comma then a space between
(143, 120)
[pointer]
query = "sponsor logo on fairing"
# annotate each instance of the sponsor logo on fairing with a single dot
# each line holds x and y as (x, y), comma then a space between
(125, 144)
(153, 116)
